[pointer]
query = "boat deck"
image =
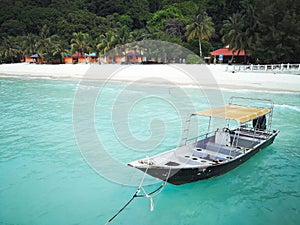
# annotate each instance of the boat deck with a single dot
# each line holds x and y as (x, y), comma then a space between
(206, 152)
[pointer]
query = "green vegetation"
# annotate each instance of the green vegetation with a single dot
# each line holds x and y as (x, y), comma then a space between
(201, 27)
(193, 59)
(268, 30)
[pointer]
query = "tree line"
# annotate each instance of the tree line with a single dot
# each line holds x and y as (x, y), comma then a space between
(268, 30)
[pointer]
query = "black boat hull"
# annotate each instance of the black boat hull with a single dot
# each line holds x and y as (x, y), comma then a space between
(187, 175)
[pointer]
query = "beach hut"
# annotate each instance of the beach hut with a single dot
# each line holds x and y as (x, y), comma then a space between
(101, 59)
(134, 57)
(109, 59)
(35, 58)
(68, 59)
(92, 57)
(119, 59)
(225, 55)
(79, 57)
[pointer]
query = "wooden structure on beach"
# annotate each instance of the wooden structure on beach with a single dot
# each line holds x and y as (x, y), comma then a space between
(130, 57)
(75, 58)
(226, 55)
(92, 58)
(35, 58)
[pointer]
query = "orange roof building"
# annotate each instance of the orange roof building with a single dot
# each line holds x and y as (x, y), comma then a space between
(226, 52)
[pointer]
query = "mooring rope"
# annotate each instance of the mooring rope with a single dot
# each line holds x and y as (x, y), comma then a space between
(148, 195)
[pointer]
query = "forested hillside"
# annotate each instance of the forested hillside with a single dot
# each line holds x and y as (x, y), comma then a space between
(268, 30)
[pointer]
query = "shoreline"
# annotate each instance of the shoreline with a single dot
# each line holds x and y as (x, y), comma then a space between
(192, 76)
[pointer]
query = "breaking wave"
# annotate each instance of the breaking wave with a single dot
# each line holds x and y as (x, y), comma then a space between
(291, 107)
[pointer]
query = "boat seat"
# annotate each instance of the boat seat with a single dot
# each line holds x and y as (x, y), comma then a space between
(192, 160)
(209, 155)
(224, 150)
(246, 142)
(222, 137)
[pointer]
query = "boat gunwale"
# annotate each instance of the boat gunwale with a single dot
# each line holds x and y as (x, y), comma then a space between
(178, 178)
(144, 165)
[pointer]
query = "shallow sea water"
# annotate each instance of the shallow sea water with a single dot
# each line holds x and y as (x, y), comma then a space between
(45, 180)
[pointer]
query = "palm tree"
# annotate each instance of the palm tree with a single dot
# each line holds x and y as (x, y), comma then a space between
(60, 47)
(234, 34)
(123, 36)
(29, 44)
(45, 41)
(107, 41)
(251, 28)
(141, 34)
(201, 27)
(80, 42)
(9, 48)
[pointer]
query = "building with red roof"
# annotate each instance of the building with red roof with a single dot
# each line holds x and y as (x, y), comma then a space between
(225, 55)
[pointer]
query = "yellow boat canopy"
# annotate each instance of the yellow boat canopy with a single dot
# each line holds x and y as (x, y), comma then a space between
(239, 113)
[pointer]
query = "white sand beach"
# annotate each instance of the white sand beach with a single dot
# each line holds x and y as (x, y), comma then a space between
(180, 74)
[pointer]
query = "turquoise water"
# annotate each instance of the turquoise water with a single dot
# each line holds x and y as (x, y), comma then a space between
(45, 180)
